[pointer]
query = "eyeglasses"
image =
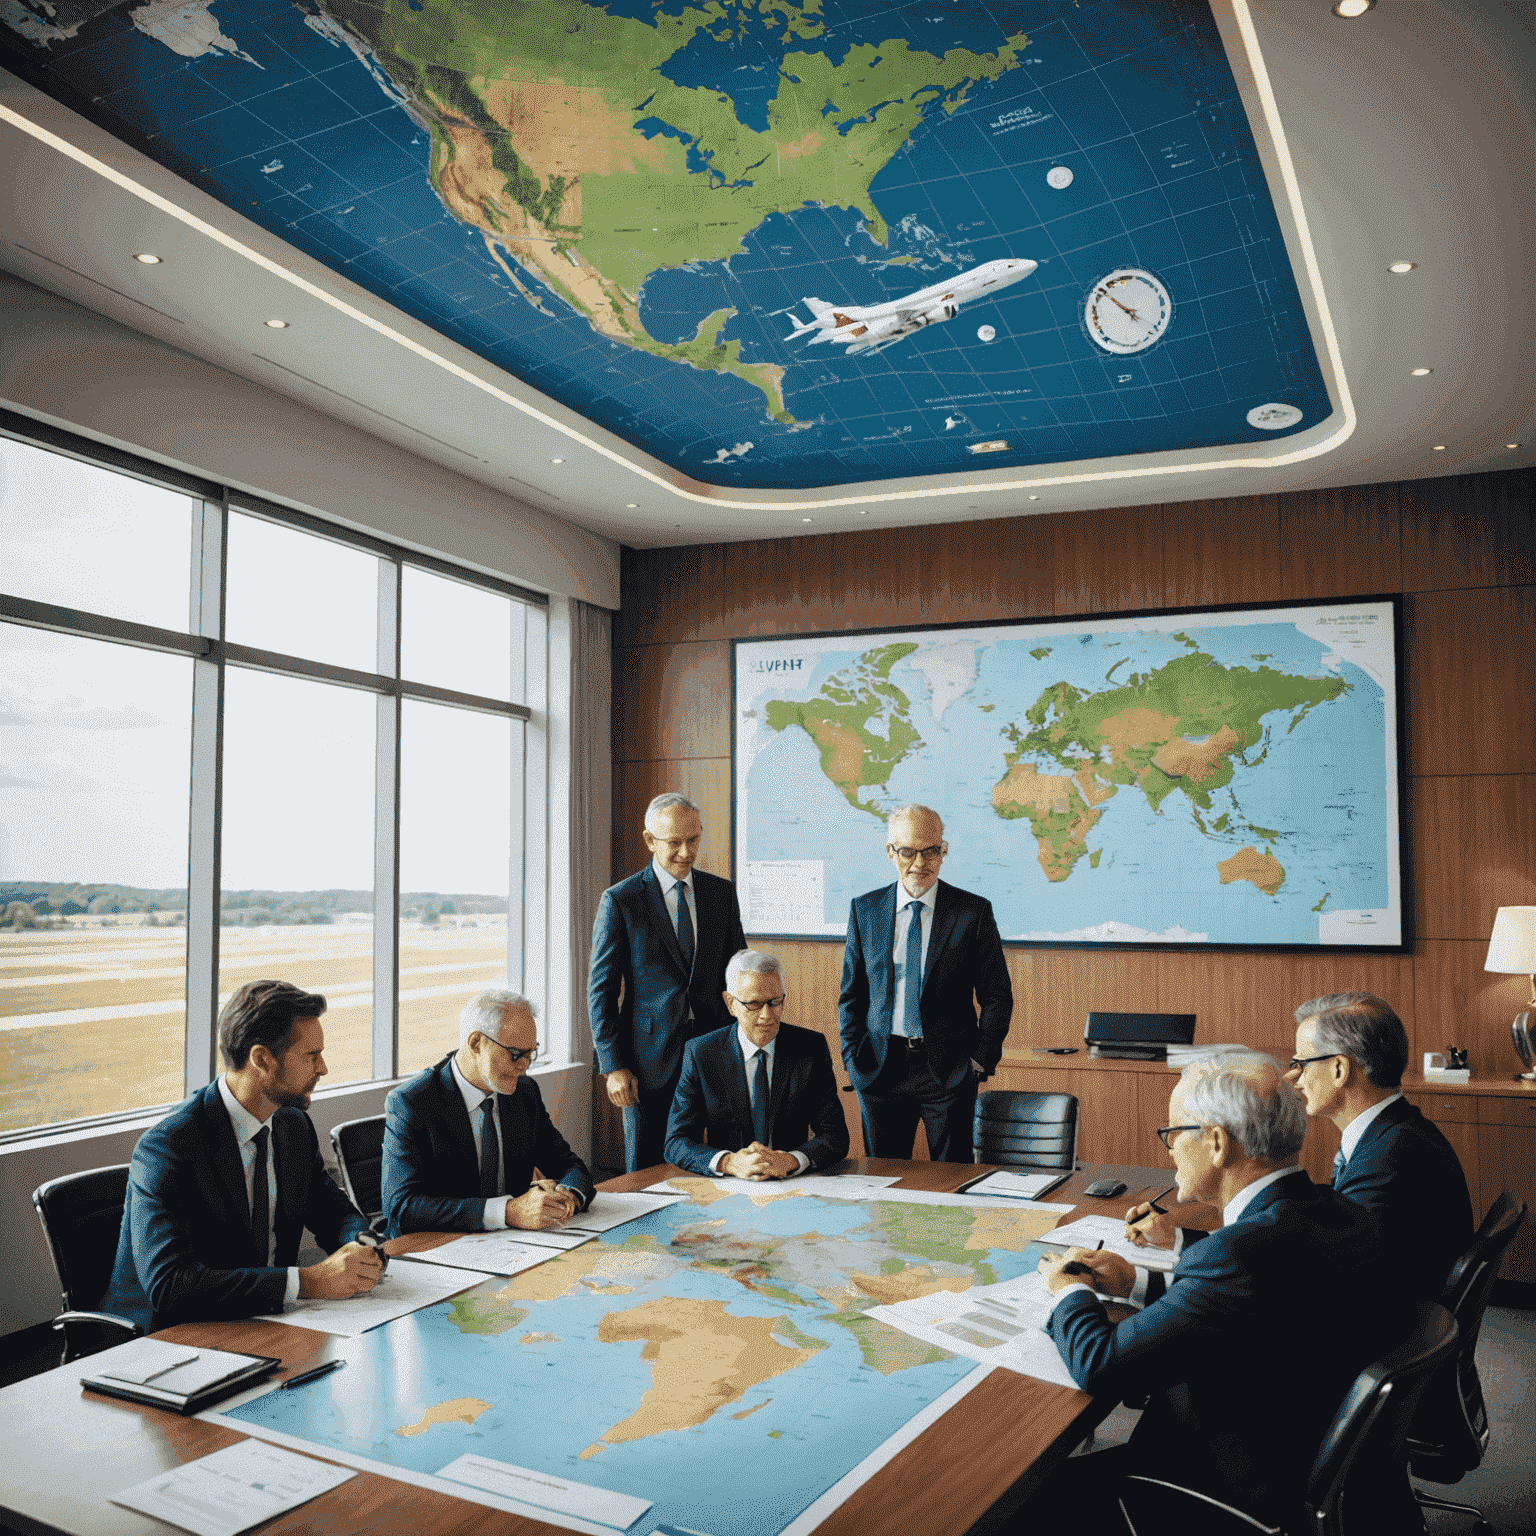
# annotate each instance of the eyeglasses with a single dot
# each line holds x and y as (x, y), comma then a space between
(1166, 1133)
(517, 1053)
(1298, 1062)
(766, 1003)
(912, 855)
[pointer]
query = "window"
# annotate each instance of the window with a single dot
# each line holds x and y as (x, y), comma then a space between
(234, 744)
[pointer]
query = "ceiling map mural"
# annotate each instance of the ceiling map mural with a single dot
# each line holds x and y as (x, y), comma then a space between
(773, 245)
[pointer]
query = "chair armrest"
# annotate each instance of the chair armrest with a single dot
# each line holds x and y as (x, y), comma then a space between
(1203, 1501)
(64, 1319)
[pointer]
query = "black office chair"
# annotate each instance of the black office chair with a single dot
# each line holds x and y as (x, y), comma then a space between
(1359, 1473)
(1449, 1436)
(359, 1148)
(1027, 1130)
(82, 1214)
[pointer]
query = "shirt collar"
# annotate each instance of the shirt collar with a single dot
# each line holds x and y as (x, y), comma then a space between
(1242, 1199)
(473, 1097)
(667, 881)
(1362, 1123)
(246, 1124)
(749, 1050)
(903, 900)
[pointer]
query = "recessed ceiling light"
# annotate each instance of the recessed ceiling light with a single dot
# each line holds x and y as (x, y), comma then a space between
(148, 258)
(1420, 373)
(557, 461)
(1349, 9)
(864, 511)
(632, 505)
(805, 519)
(1439, 448)
(277, 325)
(1402, 266)
(1034, 498)
(1511, 445)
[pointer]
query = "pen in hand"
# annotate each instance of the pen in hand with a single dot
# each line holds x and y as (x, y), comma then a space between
(1161, 1211)
(1076, 1267)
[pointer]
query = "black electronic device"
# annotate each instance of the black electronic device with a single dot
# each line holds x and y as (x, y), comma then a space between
(1105, 1189)
(1137, 1036)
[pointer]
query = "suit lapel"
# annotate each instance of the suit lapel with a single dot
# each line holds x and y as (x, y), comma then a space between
(784, 1059)
(226, 1165)
(944, 918)
(736, 1076)
(883, 936)
(1393, 1114)
(455, 1115)
(656, 904)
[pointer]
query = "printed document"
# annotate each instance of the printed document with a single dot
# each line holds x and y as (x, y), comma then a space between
(492, 1253)
(1088, 1231)
(404, 1288)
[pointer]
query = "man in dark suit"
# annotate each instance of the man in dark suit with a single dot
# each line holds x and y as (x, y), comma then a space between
(659, 948)
(1294, 1267)
(1351, 1050)
(761, 1092)
(464, 1140)
(221, 1189)
(917, 955)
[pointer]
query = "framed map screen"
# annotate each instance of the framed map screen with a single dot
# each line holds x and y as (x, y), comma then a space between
(1218, 778)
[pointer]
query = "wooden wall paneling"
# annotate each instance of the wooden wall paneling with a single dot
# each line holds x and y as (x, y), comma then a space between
(1474, 851)
(1109, 1120)
(1303, 977)
(1152, 1091)
(1108, 560)
(778, 586)
(1469, 531)
(1054, 990)
(1471, 707)
(672, 701)
(706, 781)
(1467, 1142)
(1236, 999)
(1339, 541)
(671, 594)
(878, 577)
(1457, 1002)
(1317, 1151)
(976, 572)
(1507, 1159)
(1221, 551)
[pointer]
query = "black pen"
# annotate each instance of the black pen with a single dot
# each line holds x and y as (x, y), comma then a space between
(319, 1370)
(1073, 1267)
(1153, 1202)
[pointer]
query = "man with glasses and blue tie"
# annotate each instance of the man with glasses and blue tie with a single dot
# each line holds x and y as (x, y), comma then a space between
(760, 1092)
(464, 1140)
(925, 1000)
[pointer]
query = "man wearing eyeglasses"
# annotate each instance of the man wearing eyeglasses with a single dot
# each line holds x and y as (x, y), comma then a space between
(925, 999)
(464, 1140)
(760, 1092)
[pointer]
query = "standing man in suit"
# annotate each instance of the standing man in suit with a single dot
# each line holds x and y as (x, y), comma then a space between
(1293, 1265)
(659, 948)
(1351, 1049)
(760, 1090)
(463, 1140)
(221, 1189)
(918, 953)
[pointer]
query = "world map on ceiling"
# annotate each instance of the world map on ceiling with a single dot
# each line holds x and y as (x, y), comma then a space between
(773, 245)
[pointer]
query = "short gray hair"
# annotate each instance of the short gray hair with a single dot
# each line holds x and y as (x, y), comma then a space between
(912, 812)
(1364, 1028)
(671, 801)
(487, 1012)
(1245, 1093)
(751, 961)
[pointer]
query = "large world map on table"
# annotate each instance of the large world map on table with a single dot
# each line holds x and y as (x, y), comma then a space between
(1224, 778)
(714, 1358)
(636, 208)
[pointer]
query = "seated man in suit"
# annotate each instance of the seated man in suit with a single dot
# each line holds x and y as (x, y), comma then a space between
(463, 1140)
(221, 1189)
(1294, 1266)
(760, 1091)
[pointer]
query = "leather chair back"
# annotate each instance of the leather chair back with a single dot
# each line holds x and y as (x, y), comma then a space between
(359, 1148)
(82, 1214)
(1026, 1130)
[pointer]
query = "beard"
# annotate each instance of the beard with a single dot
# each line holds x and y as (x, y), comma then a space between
(285, 1096)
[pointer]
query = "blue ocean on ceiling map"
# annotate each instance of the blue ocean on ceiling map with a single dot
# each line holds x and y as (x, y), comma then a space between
(774, 245)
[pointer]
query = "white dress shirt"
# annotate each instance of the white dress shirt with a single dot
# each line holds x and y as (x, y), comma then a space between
(748, 1052)
(246, 1126)
(1362, 1123)
(899, 947)
(494, 1217)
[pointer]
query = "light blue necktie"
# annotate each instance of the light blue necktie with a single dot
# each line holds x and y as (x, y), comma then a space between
(912, 995)
(1338, 1164)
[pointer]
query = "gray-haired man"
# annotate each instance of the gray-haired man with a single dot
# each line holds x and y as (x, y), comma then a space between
(659, 948)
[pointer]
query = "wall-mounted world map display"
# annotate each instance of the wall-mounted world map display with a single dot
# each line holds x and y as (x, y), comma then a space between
(774, 245)
(1191, 778)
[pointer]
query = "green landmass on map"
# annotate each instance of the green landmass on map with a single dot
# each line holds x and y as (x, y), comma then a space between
(534, 111)
(1181, 727)
(842, 719)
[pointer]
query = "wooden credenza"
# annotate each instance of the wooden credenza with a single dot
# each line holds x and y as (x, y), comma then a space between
(1491, 1122)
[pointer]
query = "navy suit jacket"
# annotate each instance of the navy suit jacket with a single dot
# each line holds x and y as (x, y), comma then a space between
(1408, 1176)
(1250, 1351)
(186, 1252)
(965, 958)
(635, 951)
(714, 1102)
(431, 1171)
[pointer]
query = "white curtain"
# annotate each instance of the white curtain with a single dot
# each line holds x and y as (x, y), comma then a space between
(591, 796)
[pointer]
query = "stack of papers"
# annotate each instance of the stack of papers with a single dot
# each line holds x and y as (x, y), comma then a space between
(1108, 1232)
(1018, 1186)
(404, 1288)
(491, 1253)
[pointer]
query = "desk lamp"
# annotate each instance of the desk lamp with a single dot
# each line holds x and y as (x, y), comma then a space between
(1512, 950)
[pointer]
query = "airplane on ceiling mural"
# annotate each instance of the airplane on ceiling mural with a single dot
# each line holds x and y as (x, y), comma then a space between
(874, 327)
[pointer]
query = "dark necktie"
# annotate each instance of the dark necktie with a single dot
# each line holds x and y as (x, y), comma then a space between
(261, 1210)
(490, 1148)
(1338, 1164)
(760, 1099)
(912, 975)
(684, 927)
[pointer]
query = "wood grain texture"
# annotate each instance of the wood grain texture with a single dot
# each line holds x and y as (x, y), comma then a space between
(1338, 542)
(671, 594)
(672, 701)
(1469, 531)
(1507, 1160)
(1221, 551)
(1108, 560)
(706, 781)
(1474, 851)
(1054, 990)
(1457, 1002)
(1109, 1120)
(1471, 706)
(779, 587)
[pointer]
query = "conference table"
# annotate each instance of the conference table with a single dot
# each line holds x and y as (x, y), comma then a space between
(72, 1450)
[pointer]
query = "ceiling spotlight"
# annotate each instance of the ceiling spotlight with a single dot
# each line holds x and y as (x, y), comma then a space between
(277, 325)
(1439, 448)
(805, 519)
(557, 461)
(1402, 266)
(1420, 373)
(1349, 9)
(1034, 498)
(632, 505)
(148, 259)
(1511, 445)
(864, 511)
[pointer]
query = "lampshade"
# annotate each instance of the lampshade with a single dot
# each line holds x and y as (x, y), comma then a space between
(1512, 948)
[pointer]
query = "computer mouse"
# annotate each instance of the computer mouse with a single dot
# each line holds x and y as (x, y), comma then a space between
(1105, 1189)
